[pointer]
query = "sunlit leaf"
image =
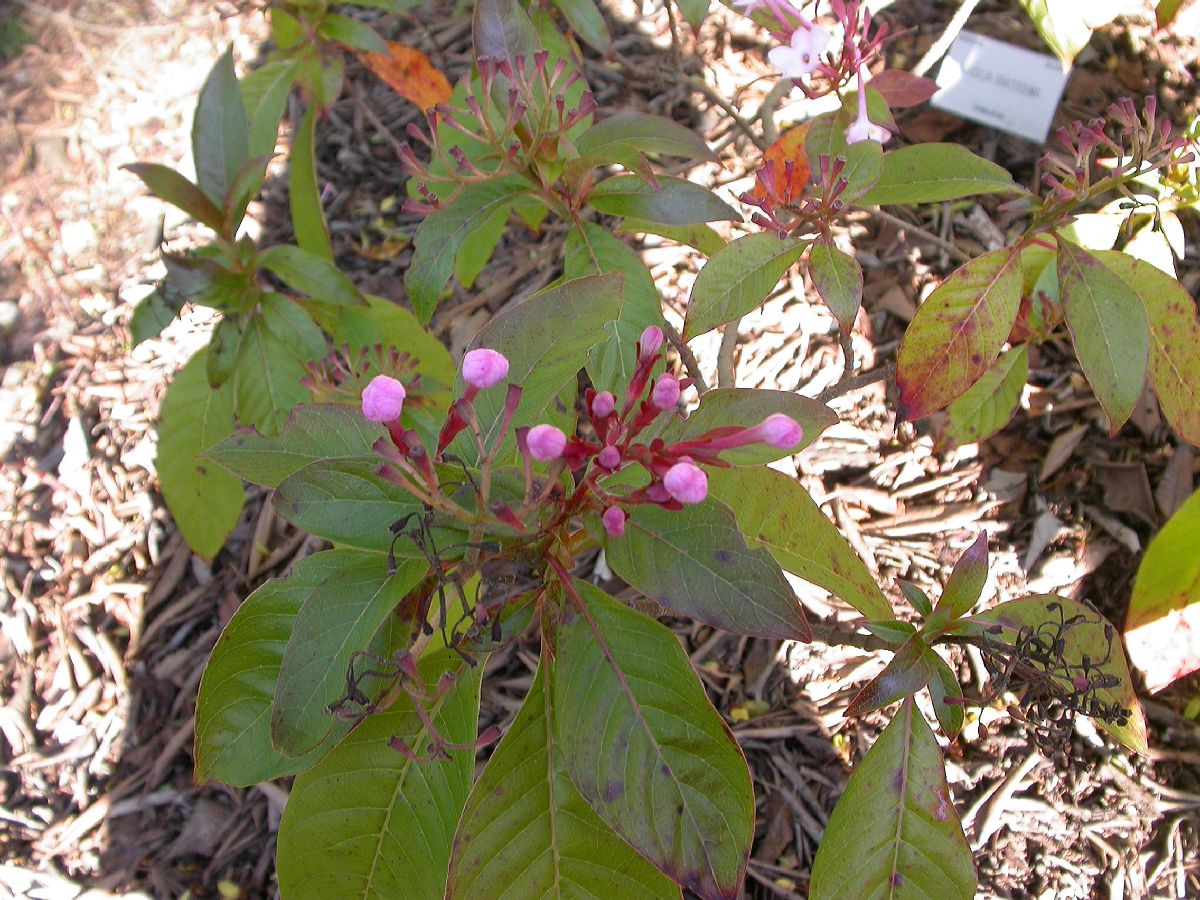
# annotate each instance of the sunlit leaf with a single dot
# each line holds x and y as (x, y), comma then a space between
(894, 832)
(645, 748)
(991, 401)
(408, 72)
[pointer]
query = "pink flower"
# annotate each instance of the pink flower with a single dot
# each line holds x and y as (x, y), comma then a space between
(383, 399)
(545, 442)
(862, 128)
(803, 54)
(483, 368)
(779, 431)
(609, 457)
(603, 405)
(650, 341)
(665, 393)
(614, 521)
(686, 482)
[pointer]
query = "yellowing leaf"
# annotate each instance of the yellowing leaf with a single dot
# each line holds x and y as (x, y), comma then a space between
(409, 73)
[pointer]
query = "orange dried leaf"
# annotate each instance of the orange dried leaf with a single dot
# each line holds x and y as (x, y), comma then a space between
(789, 147)
(410, 74)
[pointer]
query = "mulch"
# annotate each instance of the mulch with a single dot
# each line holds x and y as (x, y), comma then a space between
(108, 618)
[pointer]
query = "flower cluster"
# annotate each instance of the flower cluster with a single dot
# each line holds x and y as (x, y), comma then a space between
(673, 476)
(517, 107)
(786, 214)
(804, 55)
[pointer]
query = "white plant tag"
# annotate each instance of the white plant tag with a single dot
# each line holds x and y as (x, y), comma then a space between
(1001, 85)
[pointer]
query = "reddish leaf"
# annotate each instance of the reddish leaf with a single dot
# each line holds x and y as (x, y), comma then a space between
(968, 578)
(409, 73)
(957, 333)
(788, 181)
(910, 670)
(902, 89)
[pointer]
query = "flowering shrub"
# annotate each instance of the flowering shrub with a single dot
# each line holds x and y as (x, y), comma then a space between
(461, 502)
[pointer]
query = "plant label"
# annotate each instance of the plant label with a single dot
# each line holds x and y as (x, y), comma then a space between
(1001, 85)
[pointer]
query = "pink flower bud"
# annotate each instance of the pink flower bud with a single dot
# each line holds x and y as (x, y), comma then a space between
(383, 399)
(483, 368)
(546, 442)
(650, 341)
(780, 431)
(614, 521)
(603, 405)
(665, 393)
(609, 457)
(686, 482)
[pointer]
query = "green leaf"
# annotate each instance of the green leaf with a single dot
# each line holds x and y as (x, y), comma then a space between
(344, 501)
(746, 407)
(737, 278)
(697, 563)
(838, 278)
(1089, 635)
(674, 201)
(233, 712)
(223, 350)
(864, 166)
(943, 688)
(645, 748)
(268, 379)
(1063, 26)
(926, 173)
(623, 137)
(205, 501)
(242, 188)
(989, 404)
(220, 134)
(1109, 329)
(304, 193)
(525, 824)
(169, 185)
(352, 33)
(967, 579)
(383, 322)
(699, 237)
(339, 618)
(916, 598)
(546, 339)
(957, 333)
(775, 512)
(310, 274)
(292, 326)
(264, 96)
(313, 433)
(891, 631)
(894, 832)
(1174, 340)
(478, 247)
(694, 11)
(596, 251)
(1164, 601)
(442, 234)
(586, 21)
(370, 823)
(501, 30)
(152, 315)
(909, 670)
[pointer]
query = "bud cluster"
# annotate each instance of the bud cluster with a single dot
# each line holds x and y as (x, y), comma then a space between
(1142, 143)
(784, 213)
(616, 440)
(517, 107)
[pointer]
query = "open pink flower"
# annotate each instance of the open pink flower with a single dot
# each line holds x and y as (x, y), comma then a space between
(862, 128)
(484, 368)
(803, 53)
(686, 482)
(383, 399)
(546, 442)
